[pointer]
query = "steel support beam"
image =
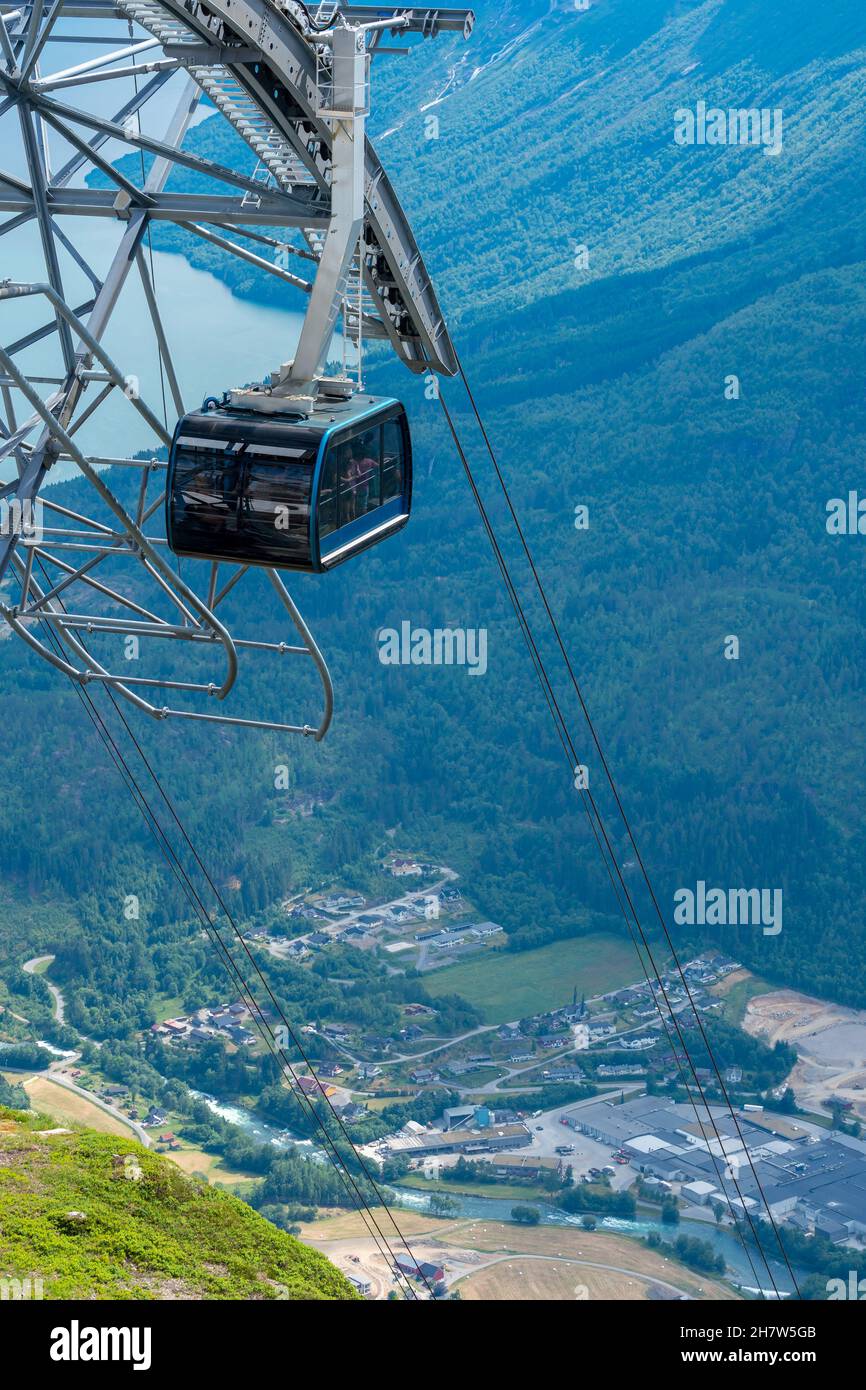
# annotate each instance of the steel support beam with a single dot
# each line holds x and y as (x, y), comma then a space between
(349, 104)
(46, 231)
(274, 210)
(164, 150)
(159, 330)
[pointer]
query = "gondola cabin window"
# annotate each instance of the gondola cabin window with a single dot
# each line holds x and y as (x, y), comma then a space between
(301, 494)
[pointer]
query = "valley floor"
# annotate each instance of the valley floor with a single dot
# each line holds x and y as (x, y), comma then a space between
(517, 984)
(494, 1260)
(70, 1104)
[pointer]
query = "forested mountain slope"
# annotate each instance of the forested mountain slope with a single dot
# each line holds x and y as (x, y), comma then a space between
(602, 376)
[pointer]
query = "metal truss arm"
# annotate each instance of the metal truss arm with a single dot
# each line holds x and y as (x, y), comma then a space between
(144, 547)
(127, 136)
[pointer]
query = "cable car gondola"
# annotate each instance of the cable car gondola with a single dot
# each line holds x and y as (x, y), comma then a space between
(288, 491)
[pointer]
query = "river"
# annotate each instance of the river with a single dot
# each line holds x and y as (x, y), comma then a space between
(723, 1242)
(254, 1126)
(499, 1209)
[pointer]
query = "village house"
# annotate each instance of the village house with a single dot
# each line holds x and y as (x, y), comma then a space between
(425, 907)
(600, 1030)
(422, 1076)
(317, 939)
(399, 915)
(422, 1270)
(311, 1087)
(175, 1026)
(404, 868)
(432, 935)
(240, 1036)
(411, 1033)
(351, 1113)
(341, 902)
(485, 929)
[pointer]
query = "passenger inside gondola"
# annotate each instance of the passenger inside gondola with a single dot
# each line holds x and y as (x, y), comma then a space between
(365, 469)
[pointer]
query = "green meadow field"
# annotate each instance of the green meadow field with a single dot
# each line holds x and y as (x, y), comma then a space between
(508, 985)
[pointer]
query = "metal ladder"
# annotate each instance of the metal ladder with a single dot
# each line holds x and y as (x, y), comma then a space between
(360, 307)
(276, 157)
(277, 160)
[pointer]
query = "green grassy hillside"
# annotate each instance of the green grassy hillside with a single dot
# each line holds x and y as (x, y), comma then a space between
(71, 1215)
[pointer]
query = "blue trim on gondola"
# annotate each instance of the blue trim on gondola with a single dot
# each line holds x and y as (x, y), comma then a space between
(348, 427)
(347, 540)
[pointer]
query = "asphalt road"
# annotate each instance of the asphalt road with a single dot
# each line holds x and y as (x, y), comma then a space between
(32, 968)
(60, 1080)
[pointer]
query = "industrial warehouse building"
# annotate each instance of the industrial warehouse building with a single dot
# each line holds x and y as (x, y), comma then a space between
(423, 1143)
(814, 1183)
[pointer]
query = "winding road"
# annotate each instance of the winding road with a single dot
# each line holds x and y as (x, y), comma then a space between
(36, 966)
(32, 967)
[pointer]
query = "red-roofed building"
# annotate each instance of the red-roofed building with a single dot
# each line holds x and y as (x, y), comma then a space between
(311, 1087)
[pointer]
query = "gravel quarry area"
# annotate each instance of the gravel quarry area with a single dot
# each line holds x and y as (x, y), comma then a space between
(830, 1040)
